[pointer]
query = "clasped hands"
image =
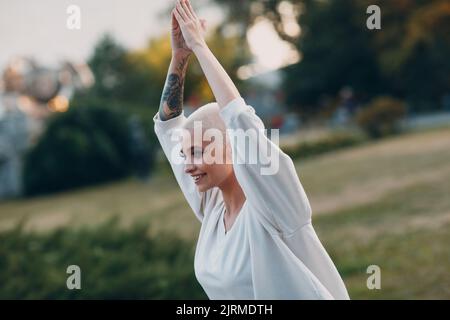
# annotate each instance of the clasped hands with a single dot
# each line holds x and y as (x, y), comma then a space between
(187, 29)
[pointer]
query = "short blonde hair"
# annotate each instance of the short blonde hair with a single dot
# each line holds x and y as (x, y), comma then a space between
(209, 116)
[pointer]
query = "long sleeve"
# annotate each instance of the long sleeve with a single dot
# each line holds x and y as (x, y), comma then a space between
(164, 131)
(269, 180)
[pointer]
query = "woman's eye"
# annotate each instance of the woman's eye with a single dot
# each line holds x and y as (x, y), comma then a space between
(182, 155)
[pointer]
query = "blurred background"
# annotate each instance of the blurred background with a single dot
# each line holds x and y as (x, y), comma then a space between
(365, 114)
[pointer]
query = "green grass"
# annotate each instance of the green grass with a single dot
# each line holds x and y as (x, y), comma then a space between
(385, 203)
(405, 233)
(414, 265)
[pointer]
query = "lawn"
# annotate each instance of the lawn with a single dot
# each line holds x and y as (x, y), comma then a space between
(385, 203)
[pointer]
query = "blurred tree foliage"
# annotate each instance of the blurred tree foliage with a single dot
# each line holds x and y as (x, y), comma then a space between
(413, 50)
(330, 143)
(34, 265)
(87, 144)
(408, 58)
(155, 59)
(110, 68)
(381, 116)
(336, 54)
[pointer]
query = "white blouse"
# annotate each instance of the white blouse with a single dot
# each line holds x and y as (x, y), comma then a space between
(271, 250)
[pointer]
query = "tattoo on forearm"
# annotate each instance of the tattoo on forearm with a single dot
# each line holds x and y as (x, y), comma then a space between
(172, 98)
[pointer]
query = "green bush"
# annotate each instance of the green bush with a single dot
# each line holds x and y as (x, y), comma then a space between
(381, 116)
(115, 263)
(331, 143)
(86, 145)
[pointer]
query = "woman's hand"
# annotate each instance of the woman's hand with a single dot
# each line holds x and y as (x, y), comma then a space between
(192, 28)
(179, 46)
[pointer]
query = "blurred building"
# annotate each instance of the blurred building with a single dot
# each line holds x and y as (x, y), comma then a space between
(29, 94)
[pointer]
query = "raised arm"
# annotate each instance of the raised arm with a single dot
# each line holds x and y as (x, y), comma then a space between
(221, 84)
(171, 104)
(170, 117)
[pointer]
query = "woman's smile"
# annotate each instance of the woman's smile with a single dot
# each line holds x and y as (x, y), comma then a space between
(198, 177)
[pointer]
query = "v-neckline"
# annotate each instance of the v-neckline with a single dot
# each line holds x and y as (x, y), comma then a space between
(225, 232)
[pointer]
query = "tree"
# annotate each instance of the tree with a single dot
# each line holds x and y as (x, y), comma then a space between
(406, 59)
(413, 50)
(334, 46)
(155, 59)
(86, 145)
(109, 66)
(123, 84)
(336, 53)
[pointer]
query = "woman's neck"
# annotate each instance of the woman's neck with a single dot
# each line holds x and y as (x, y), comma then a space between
(233, 196)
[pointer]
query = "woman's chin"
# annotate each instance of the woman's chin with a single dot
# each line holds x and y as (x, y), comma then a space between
(202, 187)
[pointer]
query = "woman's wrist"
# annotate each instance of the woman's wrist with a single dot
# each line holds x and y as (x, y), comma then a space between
(181, 54)
(199, 47)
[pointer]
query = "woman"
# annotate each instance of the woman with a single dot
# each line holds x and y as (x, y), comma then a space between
(256, 239)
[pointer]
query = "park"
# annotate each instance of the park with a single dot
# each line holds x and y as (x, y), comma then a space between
(356, 95)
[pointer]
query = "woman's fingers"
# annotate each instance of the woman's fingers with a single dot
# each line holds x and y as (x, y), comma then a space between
(174, 19)
(190, 9)
(178, 16)
(181, 11)
(184, 5)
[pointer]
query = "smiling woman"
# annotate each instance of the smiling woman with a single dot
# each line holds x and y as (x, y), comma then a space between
(209, 169)
(256, 239)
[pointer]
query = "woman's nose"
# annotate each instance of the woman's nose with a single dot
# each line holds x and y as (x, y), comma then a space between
(189, 167)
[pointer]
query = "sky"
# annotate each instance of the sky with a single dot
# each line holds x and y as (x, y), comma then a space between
(38, 28)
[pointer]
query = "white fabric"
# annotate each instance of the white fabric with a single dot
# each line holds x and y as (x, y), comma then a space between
(272, 250)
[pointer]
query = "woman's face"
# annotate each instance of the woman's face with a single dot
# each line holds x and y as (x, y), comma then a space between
(206, 162)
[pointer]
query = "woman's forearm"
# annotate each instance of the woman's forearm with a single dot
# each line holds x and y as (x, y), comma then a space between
(171, 104)
(221, 84)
